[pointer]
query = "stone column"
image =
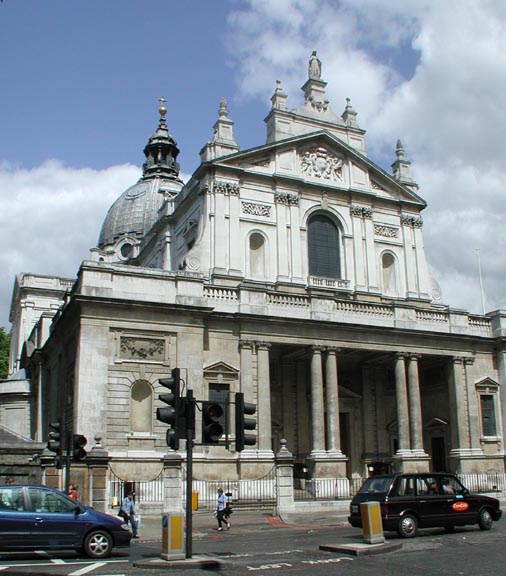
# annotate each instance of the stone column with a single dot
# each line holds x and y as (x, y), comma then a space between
(317, 413)
(246, 353)
(415, 408)
(172, 483)
(98, 468)
(458, 411)
(402, 406)
(264, 397)
(303, 428)
(332, 400)
(284, 481)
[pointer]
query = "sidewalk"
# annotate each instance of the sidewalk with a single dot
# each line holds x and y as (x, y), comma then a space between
(248, 522)
(205, 523)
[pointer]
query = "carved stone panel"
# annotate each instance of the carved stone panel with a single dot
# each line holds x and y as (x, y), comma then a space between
(136, 348)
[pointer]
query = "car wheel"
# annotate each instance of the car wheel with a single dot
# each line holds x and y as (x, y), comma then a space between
(98, 544)
(408, 526)
(485, 519)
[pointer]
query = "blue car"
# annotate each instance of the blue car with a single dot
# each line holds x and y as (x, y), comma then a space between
(40, 518)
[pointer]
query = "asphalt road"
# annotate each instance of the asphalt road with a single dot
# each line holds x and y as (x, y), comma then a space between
(265, 546)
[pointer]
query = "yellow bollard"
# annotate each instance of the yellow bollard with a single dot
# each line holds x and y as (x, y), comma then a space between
(195, 500)
(371, 522)
(172, 536)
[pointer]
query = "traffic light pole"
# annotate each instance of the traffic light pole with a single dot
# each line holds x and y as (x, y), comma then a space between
(68, 445)
(190, 425)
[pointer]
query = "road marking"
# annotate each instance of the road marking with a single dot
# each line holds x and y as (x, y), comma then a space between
(87, 569)
(287, 565)
(326, 561)
(270, 566)
(37, 564)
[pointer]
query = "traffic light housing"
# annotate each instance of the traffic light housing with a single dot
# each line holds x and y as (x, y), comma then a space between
(55, 441)
(173, 413)
(242, 423)
(78, 443)
(212, 430)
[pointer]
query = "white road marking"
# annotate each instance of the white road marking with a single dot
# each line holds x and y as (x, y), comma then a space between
(87, 569)
(37, 564)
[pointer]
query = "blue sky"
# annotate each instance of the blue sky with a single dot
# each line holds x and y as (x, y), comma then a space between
(81, 81)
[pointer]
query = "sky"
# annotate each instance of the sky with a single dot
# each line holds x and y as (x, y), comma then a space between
(80, 83)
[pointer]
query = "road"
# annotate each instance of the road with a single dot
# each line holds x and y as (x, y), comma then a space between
(270, 548)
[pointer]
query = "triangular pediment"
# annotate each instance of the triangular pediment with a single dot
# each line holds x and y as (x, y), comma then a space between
(487, 384)
(320, 159)
(220, 371)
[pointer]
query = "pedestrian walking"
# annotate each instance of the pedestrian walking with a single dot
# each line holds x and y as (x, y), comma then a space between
(221, 507)
(72, 493)
(129, 513)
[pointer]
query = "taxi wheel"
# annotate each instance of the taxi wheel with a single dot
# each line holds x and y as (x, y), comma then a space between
(408, 526)
(485, 519)
(98, 544)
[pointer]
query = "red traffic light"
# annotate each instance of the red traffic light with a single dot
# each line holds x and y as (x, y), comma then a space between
(212, 430)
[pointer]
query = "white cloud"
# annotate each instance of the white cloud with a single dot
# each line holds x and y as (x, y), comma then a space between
(51, 216)
(448, 110)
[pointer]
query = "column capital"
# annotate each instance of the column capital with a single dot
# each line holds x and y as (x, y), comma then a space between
(245, 343)
(399, 355)
(262, 345)
(413, 356)
(332, 349)
(318, 348)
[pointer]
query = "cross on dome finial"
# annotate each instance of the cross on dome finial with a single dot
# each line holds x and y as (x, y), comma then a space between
(162, 109)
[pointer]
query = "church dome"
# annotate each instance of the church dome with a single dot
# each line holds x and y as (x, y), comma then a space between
(136, 210)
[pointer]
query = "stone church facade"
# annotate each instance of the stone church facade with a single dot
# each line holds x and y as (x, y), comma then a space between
(293, 272)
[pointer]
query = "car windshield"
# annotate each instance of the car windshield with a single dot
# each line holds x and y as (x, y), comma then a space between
(378, 484)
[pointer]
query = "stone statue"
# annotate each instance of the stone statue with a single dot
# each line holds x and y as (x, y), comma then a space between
(315, 67)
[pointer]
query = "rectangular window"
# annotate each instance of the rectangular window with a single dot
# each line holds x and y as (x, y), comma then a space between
(488, 415)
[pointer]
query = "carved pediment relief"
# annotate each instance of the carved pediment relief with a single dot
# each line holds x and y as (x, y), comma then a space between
(320, 162)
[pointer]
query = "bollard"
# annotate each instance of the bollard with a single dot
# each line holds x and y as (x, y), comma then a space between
(371, 522)
(195, 500)
(172, 536)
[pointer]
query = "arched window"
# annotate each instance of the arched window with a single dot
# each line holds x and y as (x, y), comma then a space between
(257, 255)
(141, 407)
(388, 272)
(323, 247)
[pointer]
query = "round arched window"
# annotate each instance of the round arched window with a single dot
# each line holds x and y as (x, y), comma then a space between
(324, 247)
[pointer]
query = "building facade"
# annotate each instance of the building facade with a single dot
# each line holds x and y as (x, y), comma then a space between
(294, 272)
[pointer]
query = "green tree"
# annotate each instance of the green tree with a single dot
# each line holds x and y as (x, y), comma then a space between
(5, 341)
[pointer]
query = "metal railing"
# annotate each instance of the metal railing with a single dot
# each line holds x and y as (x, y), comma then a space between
(344, 489)
(144, 492)
(254, 494)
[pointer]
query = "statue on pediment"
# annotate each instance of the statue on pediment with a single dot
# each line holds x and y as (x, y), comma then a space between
(315, 67)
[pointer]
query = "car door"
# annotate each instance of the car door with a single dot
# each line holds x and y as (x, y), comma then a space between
(55, 522)
(459, 506)
(15, 519)
(432, 505)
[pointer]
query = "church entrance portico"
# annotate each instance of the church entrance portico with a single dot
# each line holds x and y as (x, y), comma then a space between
(347, 412)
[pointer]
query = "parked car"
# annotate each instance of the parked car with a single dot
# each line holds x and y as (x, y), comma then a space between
(41, 518)
(412, 501)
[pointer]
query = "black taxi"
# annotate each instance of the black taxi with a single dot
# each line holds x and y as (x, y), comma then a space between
(412, 501)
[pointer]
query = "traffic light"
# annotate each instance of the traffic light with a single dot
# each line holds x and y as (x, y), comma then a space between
(173, 414)
(54, 443)
(78, 443)
(241, 423)
(212, 430)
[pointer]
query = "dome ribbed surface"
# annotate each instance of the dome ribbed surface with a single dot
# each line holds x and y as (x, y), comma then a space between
(135, 211)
